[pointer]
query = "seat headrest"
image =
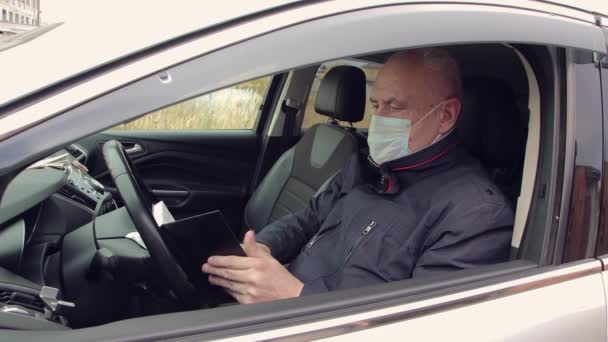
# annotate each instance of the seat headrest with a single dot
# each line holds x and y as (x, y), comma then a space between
(490, 123)
(341, 94)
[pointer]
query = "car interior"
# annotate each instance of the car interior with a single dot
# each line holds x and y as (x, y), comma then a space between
(65, 256)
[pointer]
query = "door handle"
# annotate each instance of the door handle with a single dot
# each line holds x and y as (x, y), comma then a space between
(170, 193)
(135, 148)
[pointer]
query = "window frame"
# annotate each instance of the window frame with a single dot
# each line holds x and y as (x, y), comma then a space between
(318, 307)
(578, 109)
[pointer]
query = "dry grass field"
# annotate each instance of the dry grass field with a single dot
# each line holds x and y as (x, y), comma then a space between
(231, 108)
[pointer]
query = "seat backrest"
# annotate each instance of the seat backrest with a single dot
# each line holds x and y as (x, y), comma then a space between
(495, 131)
(321, 153)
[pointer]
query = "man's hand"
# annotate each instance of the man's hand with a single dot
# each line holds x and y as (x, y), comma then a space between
(258, 277)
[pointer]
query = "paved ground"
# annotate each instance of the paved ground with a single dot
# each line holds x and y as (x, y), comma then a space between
(11, 41)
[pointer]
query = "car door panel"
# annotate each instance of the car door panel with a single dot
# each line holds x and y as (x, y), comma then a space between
(193, 172)
(569, 311)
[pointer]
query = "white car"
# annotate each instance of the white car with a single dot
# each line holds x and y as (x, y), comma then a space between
(197, 103)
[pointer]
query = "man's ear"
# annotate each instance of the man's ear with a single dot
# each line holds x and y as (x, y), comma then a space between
(449, 114)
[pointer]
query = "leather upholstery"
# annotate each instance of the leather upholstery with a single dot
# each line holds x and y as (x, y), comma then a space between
(321, 153)
(341, 94)
(294, 179)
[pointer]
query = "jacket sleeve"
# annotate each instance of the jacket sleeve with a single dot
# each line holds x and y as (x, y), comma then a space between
(479, 236)
(286, 236)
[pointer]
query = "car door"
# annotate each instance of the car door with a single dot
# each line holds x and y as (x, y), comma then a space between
(601, 248)
(537, 296)
(197, 155)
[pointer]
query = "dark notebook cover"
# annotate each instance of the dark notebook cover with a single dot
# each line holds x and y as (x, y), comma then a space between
(193, 240)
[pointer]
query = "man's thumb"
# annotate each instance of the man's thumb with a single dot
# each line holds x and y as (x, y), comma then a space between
(249, 244)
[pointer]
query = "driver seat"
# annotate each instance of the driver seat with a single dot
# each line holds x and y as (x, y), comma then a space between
(326, 148)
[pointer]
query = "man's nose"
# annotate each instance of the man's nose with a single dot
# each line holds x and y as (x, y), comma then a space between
(382, 110)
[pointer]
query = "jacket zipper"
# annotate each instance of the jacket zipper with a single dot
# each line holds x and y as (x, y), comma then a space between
(370, 226)
(319, 236)
(366, 231)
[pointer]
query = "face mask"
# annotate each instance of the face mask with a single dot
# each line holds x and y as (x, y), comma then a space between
(389, 138)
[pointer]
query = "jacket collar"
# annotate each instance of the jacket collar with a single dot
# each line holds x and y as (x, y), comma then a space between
(412, 168)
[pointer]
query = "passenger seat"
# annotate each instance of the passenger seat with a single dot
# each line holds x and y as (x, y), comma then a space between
(324, 150)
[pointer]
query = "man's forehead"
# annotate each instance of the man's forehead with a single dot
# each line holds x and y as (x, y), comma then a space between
(400, 79)
(388, 89)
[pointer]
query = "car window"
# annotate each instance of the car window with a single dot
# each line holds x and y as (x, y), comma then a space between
(311, 117)
(235, 107)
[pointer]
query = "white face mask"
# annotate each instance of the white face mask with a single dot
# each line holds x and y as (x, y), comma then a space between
(389, 138)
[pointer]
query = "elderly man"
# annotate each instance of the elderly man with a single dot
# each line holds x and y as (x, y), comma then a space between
(420, 206)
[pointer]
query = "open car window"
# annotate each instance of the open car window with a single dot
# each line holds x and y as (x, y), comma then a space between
(235, 107)
(514, 122)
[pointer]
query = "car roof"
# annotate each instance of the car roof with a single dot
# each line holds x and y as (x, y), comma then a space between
(98, 32)
(596, 6)
(106, 31)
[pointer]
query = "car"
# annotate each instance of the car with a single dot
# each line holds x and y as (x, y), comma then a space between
(209, 115)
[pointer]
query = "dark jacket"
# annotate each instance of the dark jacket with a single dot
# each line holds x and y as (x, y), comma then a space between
(432, 211)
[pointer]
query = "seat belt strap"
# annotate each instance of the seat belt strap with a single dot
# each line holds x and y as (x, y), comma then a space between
(290, 107)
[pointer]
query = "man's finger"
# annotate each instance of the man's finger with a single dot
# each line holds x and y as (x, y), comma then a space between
(227, 284)
(233, 294)
(241, 276)
(249, 245)
(231, 261)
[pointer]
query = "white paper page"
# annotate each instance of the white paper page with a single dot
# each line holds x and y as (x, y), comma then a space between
(161, 214)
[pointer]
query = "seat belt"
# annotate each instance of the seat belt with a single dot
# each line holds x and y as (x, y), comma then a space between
(290, 108)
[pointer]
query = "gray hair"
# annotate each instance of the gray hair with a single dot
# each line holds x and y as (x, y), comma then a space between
(440, 60)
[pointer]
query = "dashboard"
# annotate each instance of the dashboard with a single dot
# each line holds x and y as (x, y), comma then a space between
(35, 184)
(41, 205)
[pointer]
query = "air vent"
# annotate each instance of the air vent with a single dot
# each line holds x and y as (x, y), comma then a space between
(5, 296)
(77, 152)
(16, 298)
(77, 196)
(37, 303)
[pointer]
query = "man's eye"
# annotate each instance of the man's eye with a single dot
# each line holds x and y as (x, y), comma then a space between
(396, 108)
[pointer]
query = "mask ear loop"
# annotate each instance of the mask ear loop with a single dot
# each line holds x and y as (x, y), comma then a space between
(427, 114)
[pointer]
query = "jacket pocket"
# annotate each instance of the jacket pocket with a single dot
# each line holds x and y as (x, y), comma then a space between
(362, 236)
(371, 225)
(321, 235)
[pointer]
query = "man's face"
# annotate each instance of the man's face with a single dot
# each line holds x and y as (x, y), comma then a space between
(405, 89)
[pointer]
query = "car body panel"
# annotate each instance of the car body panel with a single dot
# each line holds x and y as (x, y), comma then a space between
(541, 303)
(556, 303)
(225, 37)
(532, 316)
(536, 314)
(112, 33)
(162, 23)
(263, 59)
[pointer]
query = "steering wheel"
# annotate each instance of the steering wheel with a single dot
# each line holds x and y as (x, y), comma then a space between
(138, 202)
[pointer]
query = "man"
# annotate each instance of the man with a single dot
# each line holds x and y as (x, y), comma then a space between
(421, 205)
